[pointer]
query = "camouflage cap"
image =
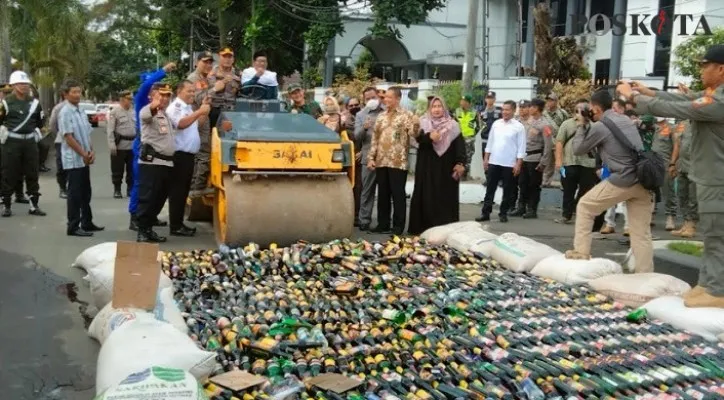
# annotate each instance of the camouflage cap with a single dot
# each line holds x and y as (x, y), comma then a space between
(293, 87)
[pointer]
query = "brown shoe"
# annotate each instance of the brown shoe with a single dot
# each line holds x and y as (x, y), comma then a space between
(697, 290)
(704, 299)
(574, 255)
(626, 232)
(670, 223)
(688, 230)
(607, 229)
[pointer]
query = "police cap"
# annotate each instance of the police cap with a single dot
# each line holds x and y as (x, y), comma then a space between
(714, 54)
(226, 51)
(205, 56)
(163, 88)
(524, 103)
(124, 93)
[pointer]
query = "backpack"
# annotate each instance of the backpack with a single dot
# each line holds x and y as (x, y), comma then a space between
(650, 168)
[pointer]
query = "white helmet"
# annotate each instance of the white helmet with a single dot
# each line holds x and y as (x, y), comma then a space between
(19, 77)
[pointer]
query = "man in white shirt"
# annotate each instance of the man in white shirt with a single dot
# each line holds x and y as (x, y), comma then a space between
(188, 142)
(503, 160)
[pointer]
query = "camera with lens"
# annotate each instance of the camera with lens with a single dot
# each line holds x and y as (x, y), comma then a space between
(585, 112)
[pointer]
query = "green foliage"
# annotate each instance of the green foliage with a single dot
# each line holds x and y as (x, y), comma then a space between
(450, 92)
(311, 77)
(688, 248)
(688, 53)
(387, 13)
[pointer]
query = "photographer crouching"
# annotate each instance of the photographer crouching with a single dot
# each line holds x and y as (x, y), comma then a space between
(613, 136)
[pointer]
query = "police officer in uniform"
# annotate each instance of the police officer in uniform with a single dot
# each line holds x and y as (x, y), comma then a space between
(705, 111)
(121, 130)
(524, 118)
(225, 83)
(663, 144)
(200, 80)
(22, 117)
(538, 149)
(6, 89)
(555, 116)
(686, 189)
(155, 162)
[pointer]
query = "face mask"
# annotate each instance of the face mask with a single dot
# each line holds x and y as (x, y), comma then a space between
(373, 104)
(354, 110)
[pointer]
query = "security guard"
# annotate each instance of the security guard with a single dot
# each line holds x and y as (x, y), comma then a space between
(155, 162)
(6, 89)
(705, 111)
(225, 83)
(663, 144)
(679, 168)
(121, 130)
(22, 117)
(200, 79)
(538, 154)
(555, 116)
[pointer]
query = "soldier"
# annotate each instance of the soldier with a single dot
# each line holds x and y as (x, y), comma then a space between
(200, 79)
(686, 189)
(22, 118)
(121, 130)
(663, 144)
(555, 116)
(469, 121)
(225, 83)
(60, 174)
(705, 111)
(538, 147)
(155, 162)
(301, 105)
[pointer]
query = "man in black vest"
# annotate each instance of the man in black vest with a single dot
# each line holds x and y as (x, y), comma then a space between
(21, 118)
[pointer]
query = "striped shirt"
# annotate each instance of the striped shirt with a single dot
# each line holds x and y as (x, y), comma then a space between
(73, 121)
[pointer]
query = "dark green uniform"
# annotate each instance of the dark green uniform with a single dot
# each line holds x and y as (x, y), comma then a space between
(705, 111)
(20, 150)
(309, 107)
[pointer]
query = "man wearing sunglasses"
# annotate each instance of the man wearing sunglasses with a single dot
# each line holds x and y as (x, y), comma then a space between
(705, 110)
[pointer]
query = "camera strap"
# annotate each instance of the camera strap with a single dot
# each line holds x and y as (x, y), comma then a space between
(619, 135)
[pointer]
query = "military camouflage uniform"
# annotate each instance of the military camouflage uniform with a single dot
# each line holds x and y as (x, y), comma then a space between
(224, 100)
(686, 188)
(555, 119)
(202, 159)
(663, 144)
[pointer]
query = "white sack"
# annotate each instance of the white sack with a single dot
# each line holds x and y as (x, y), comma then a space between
(572, 272)
(634, 290)
(109, 319)
(519, 253)
(156, 383)
(464, 241)
(95, 255)
(707, 322)
(100, 278)
(139, 344)
(439, 234)
(721, 337)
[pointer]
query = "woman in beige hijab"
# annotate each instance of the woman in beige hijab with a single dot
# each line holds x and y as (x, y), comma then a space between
(332, 118)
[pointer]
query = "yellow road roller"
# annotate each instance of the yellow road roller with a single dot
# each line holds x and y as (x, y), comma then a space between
(278, 177)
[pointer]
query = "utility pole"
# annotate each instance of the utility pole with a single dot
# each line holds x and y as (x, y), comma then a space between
(469, 66)
(191, 47)
(4, 40)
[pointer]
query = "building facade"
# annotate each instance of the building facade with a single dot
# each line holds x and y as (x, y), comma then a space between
(504, 43)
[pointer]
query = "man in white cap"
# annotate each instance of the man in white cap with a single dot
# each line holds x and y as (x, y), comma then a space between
(21, 118)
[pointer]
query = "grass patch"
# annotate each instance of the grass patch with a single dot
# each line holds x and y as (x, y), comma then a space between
(688, 248)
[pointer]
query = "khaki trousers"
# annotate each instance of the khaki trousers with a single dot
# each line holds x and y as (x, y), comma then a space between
(638, 204)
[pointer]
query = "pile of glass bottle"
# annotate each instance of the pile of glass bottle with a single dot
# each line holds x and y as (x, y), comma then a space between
(414, 321)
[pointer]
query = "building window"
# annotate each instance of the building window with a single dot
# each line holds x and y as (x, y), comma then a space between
(559, 8)
(524, 16)
(604, 7)
(602, 70)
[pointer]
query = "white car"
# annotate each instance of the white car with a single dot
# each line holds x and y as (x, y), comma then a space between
(90, 111)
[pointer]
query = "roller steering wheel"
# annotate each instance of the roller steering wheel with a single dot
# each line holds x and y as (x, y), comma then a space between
(256, 92)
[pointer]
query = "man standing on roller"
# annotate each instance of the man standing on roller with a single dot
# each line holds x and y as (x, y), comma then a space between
(200, 79)
(141, 100)
(225, 83)
(705, 111)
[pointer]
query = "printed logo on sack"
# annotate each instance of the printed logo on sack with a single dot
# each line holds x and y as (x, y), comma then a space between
(643, 24)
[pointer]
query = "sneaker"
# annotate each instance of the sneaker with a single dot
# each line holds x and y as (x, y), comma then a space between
(117, 194)
(670, 223)
(63, 194)
(7, 212)
(564, 221)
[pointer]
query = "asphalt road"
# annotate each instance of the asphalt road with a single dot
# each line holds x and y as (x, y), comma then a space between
(44, 350)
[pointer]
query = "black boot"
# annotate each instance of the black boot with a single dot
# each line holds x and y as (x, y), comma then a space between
(6, 207)
(518, 212)
(117, 192)
(149, 236)
(133, 224)
(531, 214)
(34, 209)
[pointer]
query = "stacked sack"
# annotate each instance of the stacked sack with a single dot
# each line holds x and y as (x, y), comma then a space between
(659, 294)
(141, 350)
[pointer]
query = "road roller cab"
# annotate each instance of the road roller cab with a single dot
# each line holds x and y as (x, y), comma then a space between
(279, 177)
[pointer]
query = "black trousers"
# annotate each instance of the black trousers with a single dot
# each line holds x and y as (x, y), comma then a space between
(60, 174)
(79, 197)
(214, 116)
(178, 191)
(43, 150)
(20, 160)
(497, 174)
(516, 191)
(153, 184)
(120, 163)
(19, 186)
(391, 189)
(357, 190)
(578, 179)
(530, 185)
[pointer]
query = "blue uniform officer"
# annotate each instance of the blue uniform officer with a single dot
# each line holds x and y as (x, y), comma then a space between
(140, 100)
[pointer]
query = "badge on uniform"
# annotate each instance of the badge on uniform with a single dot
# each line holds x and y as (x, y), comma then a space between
(703, 101)
(547, 131)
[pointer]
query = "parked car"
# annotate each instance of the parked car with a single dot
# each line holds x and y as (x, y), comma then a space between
(102, 111)
(90, 111)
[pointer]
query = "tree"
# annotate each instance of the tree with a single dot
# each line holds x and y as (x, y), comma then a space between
(688, 53)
